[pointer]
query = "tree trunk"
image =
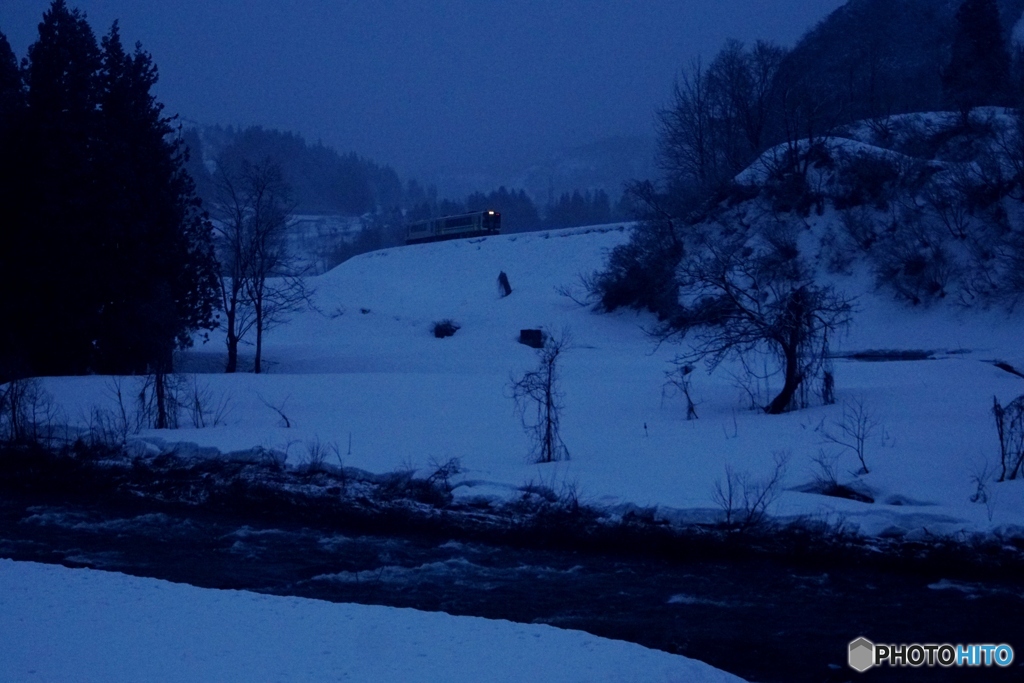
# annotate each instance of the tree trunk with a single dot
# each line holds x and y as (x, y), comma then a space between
(161, 399)
(232, 364)
(790, 384)
(232, 338)
(232, 342)
(257, 366)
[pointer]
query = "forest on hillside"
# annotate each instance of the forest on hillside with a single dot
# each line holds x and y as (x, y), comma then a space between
(927, 184)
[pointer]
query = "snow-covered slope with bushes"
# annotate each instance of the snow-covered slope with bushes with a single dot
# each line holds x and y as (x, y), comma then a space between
(365, 374)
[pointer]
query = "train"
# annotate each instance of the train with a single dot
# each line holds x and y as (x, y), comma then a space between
(475, 224)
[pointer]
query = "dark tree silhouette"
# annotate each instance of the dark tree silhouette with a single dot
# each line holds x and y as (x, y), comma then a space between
(978, 72)
(754, 295)
(12, 96)
(258, 284)
(161, 274)
(579, 208)
(641, 273)
(271, 286)
(518, 212)
(107, 245)
(12, 108)
(720, 117)
(55, 247)
(231, 209)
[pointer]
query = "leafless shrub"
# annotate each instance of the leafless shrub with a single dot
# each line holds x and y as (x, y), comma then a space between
(538, 490)
(145, 402)
(108, 427)
(279, 409)
(569, 497)
(826, 473)
(914, 261)
(113, 426)
(828, 381)
(538, 400)
(860, 226)
(852, 431)
(202, 407)
(155, 401)
(1010, 428)
(316, 455)
(980, 477)
(865, 180)
(443, 472)
(270, 458)
(745, 500)
(27, 412)
(679, 379)
(583, 293)
(837, 251)
(949, 205)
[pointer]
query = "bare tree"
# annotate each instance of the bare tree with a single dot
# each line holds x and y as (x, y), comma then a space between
(26, 411)
(753, 294)
(259, 283)
(720, 116)
(679, 378)
(745, 500)
(538, 400)
(687, 151)
(232, 239)
(852, 431)
(272, 288)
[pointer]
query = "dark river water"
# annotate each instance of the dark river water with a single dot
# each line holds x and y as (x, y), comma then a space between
(763, 619)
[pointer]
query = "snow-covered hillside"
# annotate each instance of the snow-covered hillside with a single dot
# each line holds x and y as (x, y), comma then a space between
(366, 374)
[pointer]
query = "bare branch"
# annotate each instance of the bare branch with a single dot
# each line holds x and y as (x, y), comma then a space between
(538, 400)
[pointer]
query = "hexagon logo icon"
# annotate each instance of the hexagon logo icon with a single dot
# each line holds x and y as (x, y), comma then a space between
(862, 654)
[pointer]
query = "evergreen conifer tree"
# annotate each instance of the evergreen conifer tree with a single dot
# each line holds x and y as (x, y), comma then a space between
(55, 243)
(12, 106)
(12, 96)
(110, 256)
(160, 278)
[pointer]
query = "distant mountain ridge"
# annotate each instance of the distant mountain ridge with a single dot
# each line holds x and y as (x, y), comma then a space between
(322, 180)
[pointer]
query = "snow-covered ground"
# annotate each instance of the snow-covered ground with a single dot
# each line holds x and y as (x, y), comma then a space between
(87, 626)
(366, 374)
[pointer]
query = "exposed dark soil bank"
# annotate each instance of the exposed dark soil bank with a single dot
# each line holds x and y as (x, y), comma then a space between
(766, 615)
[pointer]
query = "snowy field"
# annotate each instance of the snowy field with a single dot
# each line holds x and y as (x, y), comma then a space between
(61, 625)
(365, 373)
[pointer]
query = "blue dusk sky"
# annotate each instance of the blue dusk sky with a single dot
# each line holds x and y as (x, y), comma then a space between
(429, 86)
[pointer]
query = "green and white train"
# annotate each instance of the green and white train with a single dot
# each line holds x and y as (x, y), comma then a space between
(475, 224)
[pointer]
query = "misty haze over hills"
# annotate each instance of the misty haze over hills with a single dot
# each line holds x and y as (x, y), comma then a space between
(605, 165)
(445, 93)
(892, 49)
